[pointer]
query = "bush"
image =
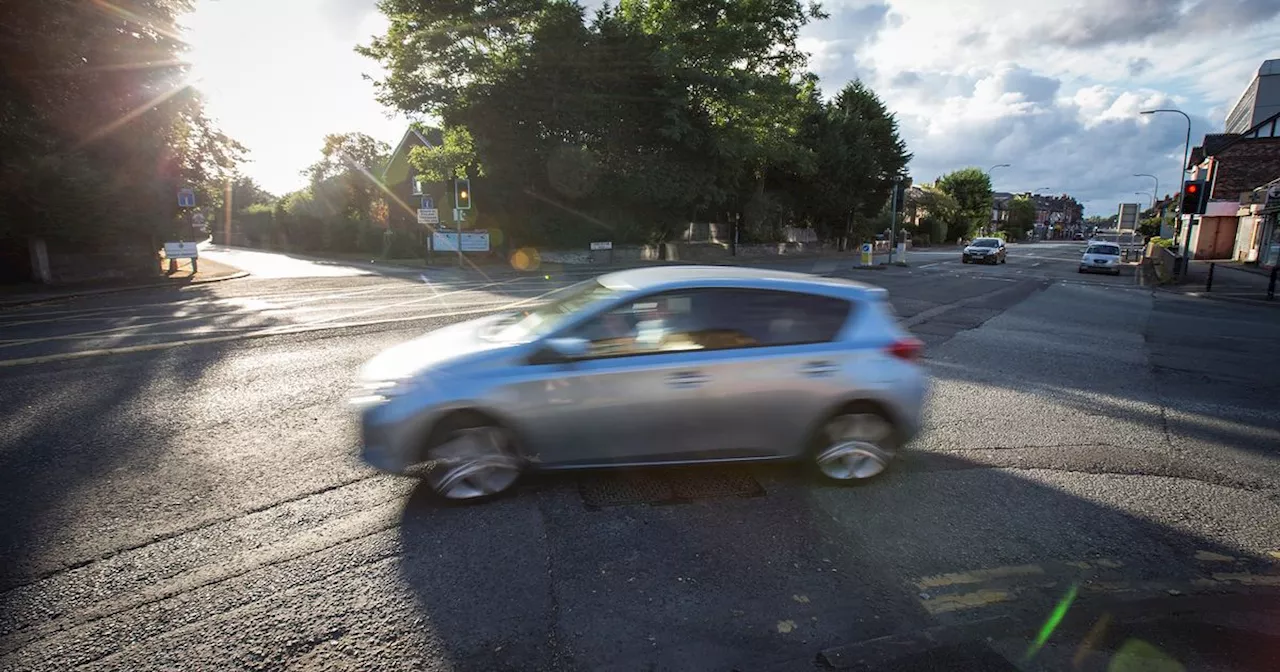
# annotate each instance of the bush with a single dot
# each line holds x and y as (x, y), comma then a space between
(1163, 242)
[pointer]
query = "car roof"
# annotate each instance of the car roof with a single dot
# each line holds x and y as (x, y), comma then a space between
(654, 277)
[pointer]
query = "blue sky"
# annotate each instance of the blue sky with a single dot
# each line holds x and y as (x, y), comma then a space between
(1053, 88)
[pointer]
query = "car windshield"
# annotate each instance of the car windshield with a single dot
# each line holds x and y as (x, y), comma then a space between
(542, 319)
(986, 242)
(1103, 249)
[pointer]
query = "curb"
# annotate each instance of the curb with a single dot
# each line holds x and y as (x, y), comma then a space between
(116, 290)
(1210, 296)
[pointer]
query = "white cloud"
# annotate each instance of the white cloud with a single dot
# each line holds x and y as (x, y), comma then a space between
(1055, 88)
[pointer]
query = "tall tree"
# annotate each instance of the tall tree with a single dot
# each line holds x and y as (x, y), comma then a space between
(971, 188)
(859, 153)
(100, 127)
(1021, 218)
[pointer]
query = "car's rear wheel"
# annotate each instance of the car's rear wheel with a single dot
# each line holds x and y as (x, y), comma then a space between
(470, 457)
(856, 444)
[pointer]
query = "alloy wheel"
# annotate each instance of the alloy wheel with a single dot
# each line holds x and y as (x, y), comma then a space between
(472, 464)
(856, 446)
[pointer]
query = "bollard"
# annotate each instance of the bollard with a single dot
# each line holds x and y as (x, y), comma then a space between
(1271, 286)
(1208, 284)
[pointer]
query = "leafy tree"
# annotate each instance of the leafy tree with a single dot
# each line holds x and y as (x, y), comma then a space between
(971, 188)
(859, 153)
(345, 152)
(1021, 218)
(937, 210)
(100, 127)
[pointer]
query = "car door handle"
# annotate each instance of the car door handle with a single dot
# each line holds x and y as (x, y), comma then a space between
(687, 379)
(818, 369)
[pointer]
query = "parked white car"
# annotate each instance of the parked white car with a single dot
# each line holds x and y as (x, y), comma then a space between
(1099, 256)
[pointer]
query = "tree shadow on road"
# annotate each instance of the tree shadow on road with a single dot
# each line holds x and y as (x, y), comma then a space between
(539, 580)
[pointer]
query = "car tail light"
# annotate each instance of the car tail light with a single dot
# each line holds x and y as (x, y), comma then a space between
(909, 349)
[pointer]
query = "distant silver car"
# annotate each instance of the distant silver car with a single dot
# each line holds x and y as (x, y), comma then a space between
(984, 250)
(656, 366)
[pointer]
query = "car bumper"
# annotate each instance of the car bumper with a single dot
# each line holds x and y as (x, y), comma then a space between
(392, 435)
(1103, 268)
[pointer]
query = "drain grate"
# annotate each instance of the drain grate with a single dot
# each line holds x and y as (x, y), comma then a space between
(637, 487)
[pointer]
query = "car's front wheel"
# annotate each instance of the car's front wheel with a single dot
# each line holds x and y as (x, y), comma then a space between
(855, 445)
(469, 457)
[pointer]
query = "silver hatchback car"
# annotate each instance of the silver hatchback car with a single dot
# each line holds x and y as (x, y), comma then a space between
(656, 366)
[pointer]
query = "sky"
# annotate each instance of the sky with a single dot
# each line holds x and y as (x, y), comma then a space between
(1052, 88)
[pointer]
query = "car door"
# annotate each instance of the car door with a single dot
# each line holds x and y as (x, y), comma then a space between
(626, 401)
(769, 369)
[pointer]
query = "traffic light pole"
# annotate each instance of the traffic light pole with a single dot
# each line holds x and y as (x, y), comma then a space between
(893, 219)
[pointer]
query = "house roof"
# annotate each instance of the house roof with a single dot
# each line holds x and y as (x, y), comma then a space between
(1215, 143)
(411, 134)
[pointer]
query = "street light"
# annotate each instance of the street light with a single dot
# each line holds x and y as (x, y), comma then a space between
(998, 165)
(1156, 190)
(1182, 167)
(1153, 198)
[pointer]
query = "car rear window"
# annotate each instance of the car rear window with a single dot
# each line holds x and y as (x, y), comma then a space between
(1103, 249)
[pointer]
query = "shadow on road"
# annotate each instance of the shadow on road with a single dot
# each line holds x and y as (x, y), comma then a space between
(540, 581)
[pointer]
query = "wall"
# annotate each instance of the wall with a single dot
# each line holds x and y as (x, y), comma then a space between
(69, 263)
(704, 252)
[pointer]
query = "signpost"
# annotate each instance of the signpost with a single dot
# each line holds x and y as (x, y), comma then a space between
(197, 220)
(472, 241)
(604, 245)
(182, 250)
(866, 254)
(428, 216)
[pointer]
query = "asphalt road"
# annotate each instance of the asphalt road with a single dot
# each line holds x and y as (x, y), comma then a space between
(180, 491)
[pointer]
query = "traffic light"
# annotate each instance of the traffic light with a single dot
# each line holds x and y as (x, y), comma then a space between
(462, 194)
(1193, 199)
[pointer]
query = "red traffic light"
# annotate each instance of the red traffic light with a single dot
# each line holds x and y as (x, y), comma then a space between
(1193, 188)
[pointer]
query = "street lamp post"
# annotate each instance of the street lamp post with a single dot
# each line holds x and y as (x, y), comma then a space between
(1182, 169)
(1153, 198)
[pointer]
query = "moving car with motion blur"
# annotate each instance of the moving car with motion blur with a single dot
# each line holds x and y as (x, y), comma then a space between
(1101, 257)
(984, 250)
(657, 366)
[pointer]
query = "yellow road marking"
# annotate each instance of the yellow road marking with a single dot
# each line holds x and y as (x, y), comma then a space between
(978, 576)
(1248, 579)
(978, 598)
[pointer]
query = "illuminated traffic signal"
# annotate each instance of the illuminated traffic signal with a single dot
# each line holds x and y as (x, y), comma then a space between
(462, 194)
(1193, 200)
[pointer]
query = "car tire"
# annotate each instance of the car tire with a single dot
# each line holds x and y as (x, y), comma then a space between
(964, 260)
(1004, 260)
(470, 457)
(854, 445)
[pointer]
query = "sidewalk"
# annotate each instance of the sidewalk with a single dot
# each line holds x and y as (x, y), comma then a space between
(210, 271)
(1231, 282)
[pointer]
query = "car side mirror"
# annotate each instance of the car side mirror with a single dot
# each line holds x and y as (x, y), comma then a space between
(563, 349)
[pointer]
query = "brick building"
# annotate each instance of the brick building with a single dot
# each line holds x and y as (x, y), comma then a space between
(1235, 166)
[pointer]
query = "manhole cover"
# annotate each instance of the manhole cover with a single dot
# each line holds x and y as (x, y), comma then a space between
(616, 489)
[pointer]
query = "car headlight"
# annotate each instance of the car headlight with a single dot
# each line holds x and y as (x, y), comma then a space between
(376, 392)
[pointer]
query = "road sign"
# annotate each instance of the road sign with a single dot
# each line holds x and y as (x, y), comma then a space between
(197, 219)
(472, 241)
(428, 216)
(459, 215)
(606, 245)
(181, 251)
(186, 198)
(428, 203)
(866, 254)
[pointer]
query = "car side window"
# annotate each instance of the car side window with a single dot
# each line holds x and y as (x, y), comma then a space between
(713, 319)
(646, 325)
